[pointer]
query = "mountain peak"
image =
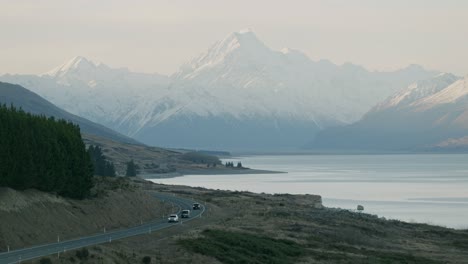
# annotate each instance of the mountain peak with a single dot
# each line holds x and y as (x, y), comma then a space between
(239, 46)
(74, 64)
(450, 95)
(244, 34)
(418, 91)
(245, 31)
(244, 39)
(290, 51)
(414, 68)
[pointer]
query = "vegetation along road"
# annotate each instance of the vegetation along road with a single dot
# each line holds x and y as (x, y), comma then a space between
(17, 256)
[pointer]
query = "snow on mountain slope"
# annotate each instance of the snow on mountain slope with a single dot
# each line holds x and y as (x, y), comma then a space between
(417, 91)
(248, 77)
(77, 67)
(33, 103)
(236, 85)
(449, 105)
(94, 91)
(423, 116)
(453, 94)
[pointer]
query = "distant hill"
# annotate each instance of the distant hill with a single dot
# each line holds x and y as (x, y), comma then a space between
(33, 103)
(428, 115)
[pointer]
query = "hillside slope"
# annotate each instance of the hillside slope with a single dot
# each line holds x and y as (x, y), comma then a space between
(290, 228)
(32, 217)
(20, 97)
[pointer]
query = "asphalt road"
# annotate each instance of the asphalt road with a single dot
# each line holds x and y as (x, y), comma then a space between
(17, 256)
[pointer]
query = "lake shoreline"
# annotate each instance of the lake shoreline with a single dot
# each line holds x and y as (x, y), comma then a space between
(214, 171)
(391, 186)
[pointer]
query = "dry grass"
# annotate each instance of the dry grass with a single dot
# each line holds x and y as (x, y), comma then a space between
(118, 203)
(148, 159)
(324, 235)
(154, 160)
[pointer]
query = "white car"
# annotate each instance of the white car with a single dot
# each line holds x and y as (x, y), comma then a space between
(173, 218)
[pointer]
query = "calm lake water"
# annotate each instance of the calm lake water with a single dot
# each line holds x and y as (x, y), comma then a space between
(427, 188)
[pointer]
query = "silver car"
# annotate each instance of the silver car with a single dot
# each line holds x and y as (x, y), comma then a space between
(185, 214)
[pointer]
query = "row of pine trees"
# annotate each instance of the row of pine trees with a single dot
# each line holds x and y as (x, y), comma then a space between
(43, 153)
(103, 167)
(49, 155)
(230, 164)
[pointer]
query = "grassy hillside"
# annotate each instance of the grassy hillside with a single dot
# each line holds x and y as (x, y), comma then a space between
(32, 217)
(243, 227)
(314, 234)
(151, 160)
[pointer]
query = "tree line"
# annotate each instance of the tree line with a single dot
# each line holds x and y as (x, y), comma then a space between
(43, 153)
(103, 167)
(230, 164)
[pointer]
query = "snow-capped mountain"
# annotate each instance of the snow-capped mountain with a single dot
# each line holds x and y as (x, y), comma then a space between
(425, 114)
(286, 83)
(455, 95)
(416, 91)
(30, 102)
(93, 90)
(239, 94)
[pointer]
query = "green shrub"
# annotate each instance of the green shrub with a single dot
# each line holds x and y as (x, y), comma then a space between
(146, 260)
(238, 247)
(45, 261)
(82, 253)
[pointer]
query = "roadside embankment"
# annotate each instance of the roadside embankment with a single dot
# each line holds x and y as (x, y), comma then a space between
(32, 217)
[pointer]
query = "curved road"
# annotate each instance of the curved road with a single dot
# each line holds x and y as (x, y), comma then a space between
(17, 256)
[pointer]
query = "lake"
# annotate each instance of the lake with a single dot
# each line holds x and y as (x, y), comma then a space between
(426, 188)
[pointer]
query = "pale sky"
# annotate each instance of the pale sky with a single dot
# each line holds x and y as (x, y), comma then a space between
(160, 35)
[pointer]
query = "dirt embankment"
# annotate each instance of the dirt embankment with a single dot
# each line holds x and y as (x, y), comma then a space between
(32, 217)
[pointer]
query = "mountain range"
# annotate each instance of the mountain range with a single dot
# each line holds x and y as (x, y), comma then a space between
(429, 114)
(238, 95)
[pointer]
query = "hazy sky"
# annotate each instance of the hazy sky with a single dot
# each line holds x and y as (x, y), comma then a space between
(158, 36)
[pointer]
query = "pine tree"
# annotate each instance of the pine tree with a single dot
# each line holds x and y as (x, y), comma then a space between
(131, 169)
(43, 153)
(102, 167)
(110, 169)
